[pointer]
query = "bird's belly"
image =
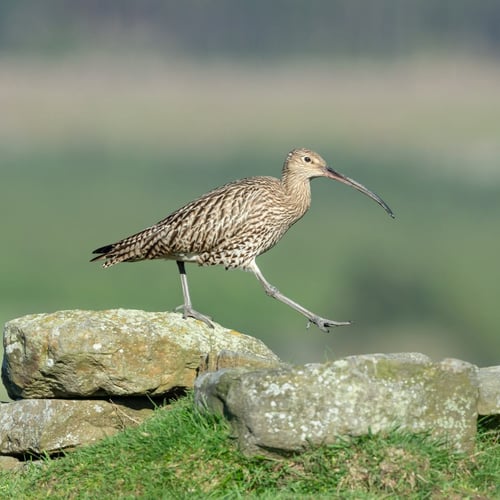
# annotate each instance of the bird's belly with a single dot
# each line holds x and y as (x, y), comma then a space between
(183, 256)
(238, 252)
(230, 259)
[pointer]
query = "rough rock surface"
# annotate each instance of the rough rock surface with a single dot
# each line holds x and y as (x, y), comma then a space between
(284, 410)
(10, 463)
(36, 426)
(76, 353)
(489, 391)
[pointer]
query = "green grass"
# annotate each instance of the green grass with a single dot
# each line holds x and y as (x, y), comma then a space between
(179, 453)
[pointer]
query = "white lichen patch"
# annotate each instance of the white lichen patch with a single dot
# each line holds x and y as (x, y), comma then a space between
(275, 389)
(98, 408)
(11, 348)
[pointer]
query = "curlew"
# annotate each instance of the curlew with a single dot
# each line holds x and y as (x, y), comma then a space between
(232, 225)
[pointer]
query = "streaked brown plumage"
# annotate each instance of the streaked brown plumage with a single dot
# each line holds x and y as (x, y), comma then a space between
(234, 224)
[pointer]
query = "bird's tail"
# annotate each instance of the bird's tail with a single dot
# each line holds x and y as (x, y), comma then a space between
(126, 250)
(105, 253)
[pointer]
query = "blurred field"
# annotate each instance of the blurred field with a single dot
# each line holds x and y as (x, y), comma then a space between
(92, 150)
(446, 108)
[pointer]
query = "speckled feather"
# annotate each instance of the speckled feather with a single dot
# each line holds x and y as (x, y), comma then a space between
(230, 225)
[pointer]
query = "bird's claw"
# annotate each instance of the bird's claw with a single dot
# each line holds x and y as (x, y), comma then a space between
(325, 324)
(188, 312)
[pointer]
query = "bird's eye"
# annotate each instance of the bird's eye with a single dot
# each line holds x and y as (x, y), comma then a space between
(307, 159)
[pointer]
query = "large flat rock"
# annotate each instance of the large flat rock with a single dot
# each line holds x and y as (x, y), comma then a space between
(288, 409)
(76, 353)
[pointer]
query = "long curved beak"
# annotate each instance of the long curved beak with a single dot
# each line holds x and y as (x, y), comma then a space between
(332, 174)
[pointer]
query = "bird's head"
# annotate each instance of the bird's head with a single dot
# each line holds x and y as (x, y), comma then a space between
(304, 163)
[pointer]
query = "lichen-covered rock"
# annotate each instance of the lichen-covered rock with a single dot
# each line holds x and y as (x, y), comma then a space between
(288, 409)
(37, 426)
(489, 391)
(76, 353)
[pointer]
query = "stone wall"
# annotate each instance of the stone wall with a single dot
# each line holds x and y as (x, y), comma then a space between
(78, 376)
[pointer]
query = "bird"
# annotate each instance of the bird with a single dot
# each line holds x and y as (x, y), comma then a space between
(232, 225)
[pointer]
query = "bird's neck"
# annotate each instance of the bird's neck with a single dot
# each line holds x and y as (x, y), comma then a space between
(297, 190)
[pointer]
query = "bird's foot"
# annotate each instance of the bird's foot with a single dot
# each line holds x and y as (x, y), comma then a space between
(189, 312)
(325, 324)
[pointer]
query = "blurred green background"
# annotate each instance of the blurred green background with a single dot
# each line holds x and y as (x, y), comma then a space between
(113, 114)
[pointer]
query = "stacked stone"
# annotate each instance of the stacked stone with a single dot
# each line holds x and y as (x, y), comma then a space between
(78, 376)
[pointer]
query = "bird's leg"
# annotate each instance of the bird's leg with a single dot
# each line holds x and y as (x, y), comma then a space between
(321, 323)
(188, 311)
